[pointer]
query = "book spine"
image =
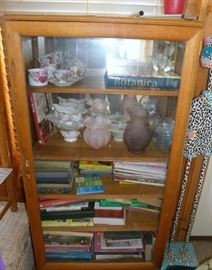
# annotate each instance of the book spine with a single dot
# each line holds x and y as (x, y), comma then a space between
(66, 214)
(141, 82)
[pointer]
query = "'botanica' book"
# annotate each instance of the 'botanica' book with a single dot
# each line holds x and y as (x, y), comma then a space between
(140, 77)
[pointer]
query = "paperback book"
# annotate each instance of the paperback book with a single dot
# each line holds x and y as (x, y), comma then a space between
(100, 246)
(73, 222)
(89, 185)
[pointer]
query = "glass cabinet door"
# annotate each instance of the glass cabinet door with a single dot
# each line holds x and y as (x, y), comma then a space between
(102, 114)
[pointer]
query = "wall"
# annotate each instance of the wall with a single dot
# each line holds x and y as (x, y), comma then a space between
(203, 221)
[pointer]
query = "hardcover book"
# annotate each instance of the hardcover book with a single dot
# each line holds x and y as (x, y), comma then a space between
(52, 165)
(84, 212)
(40, 105)
(109, 217)
(53, 188)
(135, 77)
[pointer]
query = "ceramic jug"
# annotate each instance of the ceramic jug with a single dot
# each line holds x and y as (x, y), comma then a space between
(138, 133)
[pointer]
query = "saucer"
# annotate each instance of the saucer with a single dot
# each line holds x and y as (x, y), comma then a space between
(69, 82)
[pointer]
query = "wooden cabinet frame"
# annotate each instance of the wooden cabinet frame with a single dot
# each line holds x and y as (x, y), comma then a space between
(16, 27)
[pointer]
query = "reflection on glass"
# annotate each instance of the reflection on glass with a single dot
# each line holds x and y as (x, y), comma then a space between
(122, 63)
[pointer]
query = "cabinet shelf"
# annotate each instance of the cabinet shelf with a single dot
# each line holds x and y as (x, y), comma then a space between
(56, 148)
(139, 220)
(95, 84)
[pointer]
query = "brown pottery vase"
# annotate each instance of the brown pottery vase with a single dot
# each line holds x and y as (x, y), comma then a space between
(138, 133)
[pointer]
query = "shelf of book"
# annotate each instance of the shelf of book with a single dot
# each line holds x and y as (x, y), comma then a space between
(56, 148)
(136, 220)
(113, 189)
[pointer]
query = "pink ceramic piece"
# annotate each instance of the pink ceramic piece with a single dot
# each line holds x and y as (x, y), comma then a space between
(97, 132)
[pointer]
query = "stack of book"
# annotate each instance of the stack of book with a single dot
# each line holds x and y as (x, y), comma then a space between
(95, 168)
(68, 245)
(53, 176)
(149, 173)
(66, 213)
(114, 215)
(118, 245)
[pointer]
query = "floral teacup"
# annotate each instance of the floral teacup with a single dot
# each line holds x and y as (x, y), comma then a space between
(38, 76)
(62, 75)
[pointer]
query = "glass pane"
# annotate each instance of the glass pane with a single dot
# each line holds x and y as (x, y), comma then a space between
(102, 109)
(108, 62)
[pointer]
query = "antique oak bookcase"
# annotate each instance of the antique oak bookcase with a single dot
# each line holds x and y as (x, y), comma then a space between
(95, 40)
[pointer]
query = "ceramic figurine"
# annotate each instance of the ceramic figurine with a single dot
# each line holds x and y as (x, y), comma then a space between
(138, 133)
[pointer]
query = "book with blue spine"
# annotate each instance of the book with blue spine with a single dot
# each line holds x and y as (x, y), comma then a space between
(139, 76)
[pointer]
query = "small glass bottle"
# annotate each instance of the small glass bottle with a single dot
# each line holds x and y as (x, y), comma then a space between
(164, 133)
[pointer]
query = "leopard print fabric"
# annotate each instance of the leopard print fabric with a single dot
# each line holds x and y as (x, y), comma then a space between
(199, 132)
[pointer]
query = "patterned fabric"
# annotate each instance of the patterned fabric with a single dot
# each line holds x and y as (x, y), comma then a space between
(199, 134)
(198, 142)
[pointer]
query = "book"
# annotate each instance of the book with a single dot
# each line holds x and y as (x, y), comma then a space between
(84, 222)
(109, 217)
(120, 257)
(53, 174)
(122, 243)
(40, 104)
(89, 185)
(68, 238)
(123, 235)
(157, 168)
(84, 212)
(148, 245)
(136, 75)
(45, 203)
(111, 207)
(52, 165)
(66, 256)
(132, 204)
(53, 188)
(96, 172)
(98, 246)
(95, 165)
